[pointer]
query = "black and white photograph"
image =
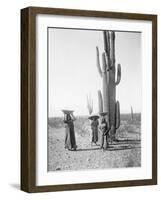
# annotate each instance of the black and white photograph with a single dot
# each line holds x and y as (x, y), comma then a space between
(94, 99)
(89, 99)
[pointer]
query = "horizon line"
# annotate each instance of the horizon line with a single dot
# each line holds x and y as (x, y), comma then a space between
(96, 113)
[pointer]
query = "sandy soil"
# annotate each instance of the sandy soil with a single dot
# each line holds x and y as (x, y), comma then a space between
(124, 153)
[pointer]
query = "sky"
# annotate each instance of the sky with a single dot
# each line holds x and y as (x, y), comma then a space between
(72, 71)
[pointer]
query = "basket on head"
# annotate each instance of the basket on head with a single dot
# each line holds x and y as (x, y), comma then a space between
(103, 114)
(67, 111)
(91, 117)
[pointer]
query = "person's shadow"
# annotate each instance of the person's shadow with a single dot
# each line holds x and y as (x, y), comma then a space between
(88, 149)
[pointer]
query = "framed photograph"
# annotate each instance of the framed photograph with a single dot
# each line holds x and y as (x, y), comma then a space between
(88, 99)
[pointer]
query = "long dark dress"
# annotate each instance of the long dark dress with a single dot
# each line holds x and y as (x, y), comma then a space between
(105, 134)
(103, 128)
(94, 127)
(70, 142)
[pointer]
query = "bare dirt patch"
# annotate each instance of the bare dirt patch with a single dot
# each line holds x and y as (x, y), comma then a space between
(125, 152)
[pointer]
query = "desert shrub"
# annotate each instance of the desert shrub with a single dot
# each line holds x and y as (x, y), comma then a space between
(127, 127)
(82, 126)
(56, 122)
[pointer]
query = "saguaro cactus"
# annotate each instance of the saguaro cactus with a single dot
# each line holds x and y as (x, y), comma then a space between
(108, 73)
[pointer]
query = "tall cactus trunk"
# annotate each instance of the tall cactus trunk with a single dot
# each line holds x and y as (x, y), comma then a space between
(112, 85)
(112, 98)
(105, 86)
(108, 73)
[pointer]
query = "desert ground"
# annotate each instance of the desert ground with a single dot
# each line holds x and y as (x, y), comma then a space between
(125, 152)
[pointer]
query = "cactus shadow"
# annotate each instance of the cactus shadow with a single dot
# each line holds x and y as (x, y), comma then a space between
(114, 148)
(120, 142)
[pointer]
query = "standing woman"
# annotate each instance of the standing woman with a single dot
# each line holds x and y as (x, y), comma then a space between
(70, 142)
(104, 129)
(94, 127)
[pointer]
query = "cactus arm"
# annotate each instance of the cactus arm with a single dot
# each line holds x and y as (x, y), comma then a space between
(112, 50)
(104, 62)
(100, 101)
(117, 114)
(118, 74)
(89, 104)
(106, 39)
(132, 115)
(107, 62)
(98, 62)
(109, 47)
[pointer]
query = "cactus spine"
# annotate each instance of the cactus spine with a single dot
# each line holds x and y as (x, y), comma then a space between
(108, 73)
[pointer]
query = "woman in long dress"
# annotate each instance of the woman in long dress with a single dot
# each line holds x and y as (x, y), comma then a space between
(104, 128)
(70, 141)
(94, 127)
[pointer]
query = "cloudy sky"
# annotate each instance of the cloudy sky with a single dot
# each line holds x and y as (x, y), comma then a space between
(72, 71)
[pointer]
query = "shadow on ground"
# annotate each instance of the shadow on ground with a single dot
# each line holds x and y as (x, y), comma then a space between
(15, 186)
